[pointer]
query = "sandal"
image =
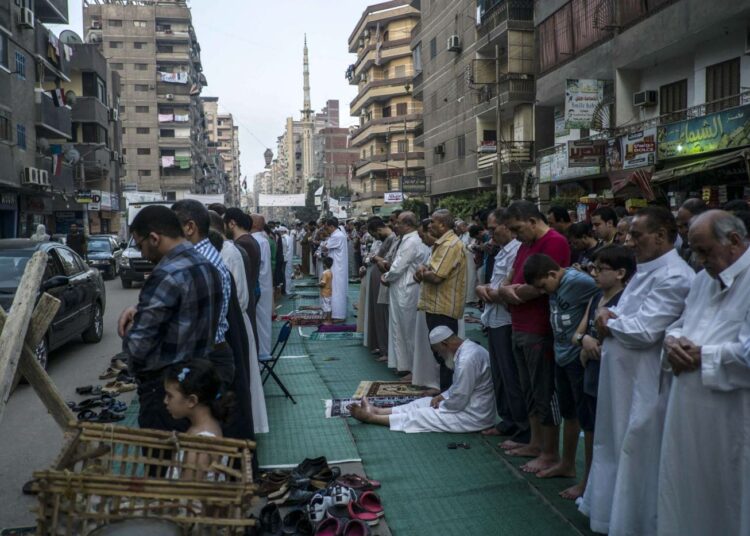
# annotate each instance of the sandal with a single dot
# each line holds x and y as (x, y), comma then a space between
(89, 390)
(356, 511)
(355, 527)
(324, 477)
(109, 416)
(331, 526)
(358, 483)
(371, 502)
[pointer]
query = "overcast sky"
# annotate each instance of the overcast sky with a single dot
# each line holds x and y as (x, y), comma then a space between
(252, 58)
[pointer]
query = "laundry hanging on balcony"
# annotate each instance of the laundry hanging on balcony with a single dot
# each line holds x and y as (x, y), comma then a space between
(53, 47)
(57, 162)
(183, 162)
(181, 118)
(166, 118)
(173, 78)
(167, 161)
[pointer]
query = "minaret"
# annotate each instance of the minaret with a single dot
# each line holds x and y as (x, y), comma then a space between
(307, 124)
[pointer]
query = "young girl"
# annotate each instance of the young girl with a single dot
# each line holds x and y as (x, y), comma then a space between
(193, 393)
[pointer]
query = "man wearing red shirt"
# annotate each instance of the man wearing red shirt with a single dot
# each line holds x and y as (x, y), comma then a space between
(532, 334)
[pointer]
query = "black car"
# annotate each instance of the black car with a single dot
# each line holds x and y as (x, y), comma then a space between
(104, 253)
(68, 278)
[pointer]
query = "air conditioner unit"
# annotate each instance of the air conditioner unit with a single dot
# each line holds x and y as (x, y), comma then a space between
(26, 18)
(454, 43)
(114, 114)
(169, 96)
(114, 156)
(122, 160)
(95, 38)
(96, 24)
(30, 175)
(363, 77)
(43, 177)
(440, 149)
(645, 98)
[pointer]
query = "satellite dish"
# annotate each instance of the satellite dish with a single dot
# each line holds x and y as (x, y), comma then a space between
(43, 144)
(71, 97)
(72, 156)
(69, 37)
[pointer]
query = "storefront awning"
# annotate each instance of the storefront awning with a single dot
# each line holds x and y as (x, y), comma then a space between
(639, 178)
(705, 164)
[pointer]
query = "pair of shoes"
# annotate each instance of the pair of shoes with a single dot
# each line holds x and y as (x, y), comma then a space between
(296, 523)
(106, 416)
(272, 482)
(311, 466)
(117, 386)
(323, 478)
(110, 373)
(358, 483)
(345, 527)
(104, 401)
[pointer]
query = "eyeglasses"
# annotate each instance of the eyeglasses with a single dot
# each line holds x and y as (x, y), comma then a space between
(139, 243)
(594, 269)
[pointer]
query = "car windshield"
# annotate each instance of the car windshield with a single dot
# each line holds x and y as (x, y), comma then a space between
(99, 246)
(12, 264)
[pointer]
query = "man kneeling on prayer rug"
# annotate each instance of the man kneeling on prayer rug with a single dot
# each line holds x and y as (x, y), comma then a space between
(467, 406)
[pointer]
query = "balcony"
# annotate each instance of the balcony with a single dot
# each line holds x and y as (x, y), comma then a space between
(499, 16)
(175, 142)
(172, 36)
(90, 110)
(51, 11)
(516, 88)
(389, 50)
(174, 56)
(52, 122)
(64, 182)
(172, 98)
(93, 157)
(380, 88)
(173, 12)
(393, 162)
(516, 155)
(378, 125)
(55, 65)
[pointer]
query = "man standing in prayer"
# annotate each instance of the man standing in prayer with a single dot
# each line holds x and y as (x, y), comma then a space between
(689, 210)
(443, 283)
(336, 247)
(288, 243)
(382, 261)
(467, 406)
(514, 420)
(621, 494)
(604, 223)
(704, 477)
(264, 308)
(238, 225)
(404, 292)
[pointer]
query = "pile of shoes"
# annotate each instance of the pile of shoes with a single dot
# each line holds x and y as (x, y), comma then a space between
(102, 397)
(325, 502)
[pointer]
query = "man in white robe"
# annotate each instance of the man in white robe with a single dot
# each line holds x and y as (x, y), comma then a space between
(403, 292)
(233, 259)
(704, 475)
(288, 244)
(621, 494)
(468, 405)
(264, 307)
(337, 248)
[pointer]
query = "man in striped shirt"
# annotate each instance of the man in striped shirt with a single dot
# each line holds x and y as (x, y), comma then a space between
(196, 223)
(443, 281)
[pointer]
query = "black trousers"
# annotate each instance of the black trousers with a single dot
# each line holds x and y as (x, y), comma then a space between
(511, 404)
(433, 321)
(152, 412)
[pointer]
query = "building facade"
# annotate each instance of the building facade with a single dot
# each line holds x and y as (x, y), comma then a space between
(389, 115)
(154, 47)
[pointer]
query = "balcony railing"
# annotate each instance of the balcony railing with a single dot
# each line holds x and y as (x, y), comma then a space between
(55, 120)
(494, 13)
(90, 110)
(516, 88)
(51, 11)
(516, 154)
(55, 63)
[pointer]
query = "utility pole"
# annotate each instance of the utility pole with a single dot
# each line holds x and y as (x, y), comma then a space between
(498, 170)
(406, 161)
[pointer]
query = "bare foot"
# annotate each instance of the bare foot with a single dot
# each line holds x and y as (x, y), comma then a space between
(382, 359)
(526, 451)
(540, 463)
(573, 492)
(512, 445)
(491, 432)
(558, 470)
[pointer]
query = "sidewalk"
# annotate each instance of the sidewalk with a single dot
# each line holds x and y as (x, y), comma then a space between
(427, 488)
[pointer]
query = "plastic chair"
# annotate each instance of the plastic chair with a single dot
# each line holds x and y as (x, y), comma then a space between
(269, 363)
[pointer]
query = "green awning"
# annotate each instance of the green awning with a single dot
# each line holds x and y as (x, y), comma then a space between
(700, 166)
(387, 210)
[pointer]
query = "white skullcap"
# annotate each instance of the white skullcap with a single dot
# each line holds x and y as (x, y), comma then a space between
(283, 229)
(440, 333)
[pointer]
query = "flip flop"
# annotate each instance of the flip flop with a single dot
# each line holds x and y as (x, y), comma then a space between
(357, 511)
(371, 502)
(358, 483)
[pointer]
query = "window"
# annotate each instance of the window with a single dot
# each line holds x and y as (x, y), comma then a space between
(673, 101)
(21, 136)
(141, 66)
(68, 260)
(3, 50)
(139, 23)
(166, 133)
(117, 66)
(114, 23)
(139, 44)
(401, 108)
(115, 44)
(461, 146)
(403, 146)
(167, 49)
(94, 86)
(141, 109)
(6, 133)
(142, 130)
(20, 65)
(400, 71)
(93, 133)
(123, 132)
(144, 151)
(722, 82)
(386, 111)
(141, 87)
(433, 48)
(144, 172)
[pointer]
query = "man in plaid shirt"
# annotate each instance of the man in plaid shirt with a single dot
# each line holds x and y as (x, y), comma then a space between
(177, 314)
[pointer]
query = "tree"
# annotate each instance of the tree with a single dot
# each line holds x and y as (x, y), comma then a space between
(464, 206)
(309, 212)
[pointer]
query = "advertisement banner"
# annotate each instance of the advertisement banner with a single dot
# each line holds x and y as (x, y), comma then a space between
(714, 132)
(289, 200)
(560, 129)
(106, 200)
(393, 197)
(84, 197)
(581, 99)
(586, 153)
(414, 184)
(631, 151)
(96, 200)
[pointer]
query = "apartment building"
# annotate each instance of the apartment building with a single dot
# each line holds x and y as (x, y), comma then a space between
(229, 150)
(389, 115)
(154, 47)
(644, 99)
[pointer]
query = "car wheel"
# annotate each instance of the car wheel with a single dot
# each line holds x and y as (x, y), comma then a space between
(96, 329)
(41, 352)
(126, 283)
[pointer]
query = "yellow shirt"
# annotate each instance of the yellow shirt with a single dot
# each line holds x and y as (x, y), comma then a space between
(448, 261)
(326, 291)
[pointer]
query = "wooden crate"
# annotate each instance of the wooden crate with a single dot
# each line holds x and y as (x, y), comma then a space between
(108, 473)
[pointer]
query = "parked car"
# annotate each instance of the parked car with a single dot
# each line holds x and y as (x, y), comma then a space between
(104, 253)
(59, 238)
(68, 278)
(133, 267)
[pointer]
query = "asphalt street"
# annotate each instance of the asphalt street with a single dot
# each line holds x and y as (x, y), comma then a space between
(29, 438)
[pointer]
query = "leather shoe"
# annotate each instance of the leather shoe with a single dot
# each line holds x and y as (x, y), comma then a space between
(270, 520)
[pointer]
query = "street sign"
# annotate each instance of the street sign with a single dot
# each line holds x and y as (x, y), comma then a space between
(414, 184)
(393, 197)
(84, 197)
